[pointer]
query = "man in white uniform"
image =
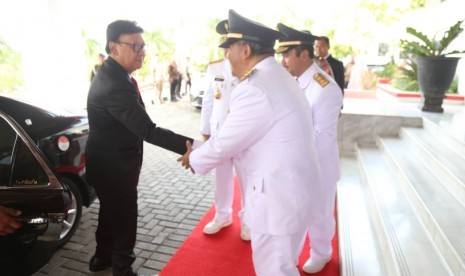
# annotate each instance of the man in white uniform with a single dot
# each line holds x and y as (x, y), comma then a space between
(325, 99)
(215, 107)
(269, 134)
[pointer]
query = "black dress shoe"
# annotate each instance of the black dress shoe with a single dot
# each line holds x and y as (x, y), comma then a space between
(97, 264)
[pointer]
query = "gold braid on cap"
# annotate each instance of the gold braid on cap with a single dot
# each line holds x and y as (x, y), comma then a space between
(223, 38)
(234, 35)
(289, 43)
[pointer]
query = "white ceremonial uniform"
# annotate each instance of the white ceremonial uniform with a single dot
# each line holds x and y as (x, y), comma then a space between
(325, 99)
(269, 134)
(215, 107)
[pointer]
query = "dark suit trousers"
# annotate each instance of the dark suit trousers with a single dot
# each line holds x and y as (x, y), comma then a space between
(173, 86)
(117, 224)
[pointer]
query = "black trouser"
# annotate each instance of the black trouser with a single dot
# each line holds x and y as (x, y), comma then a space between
(178, 87)
(173, 86)
(117, 225)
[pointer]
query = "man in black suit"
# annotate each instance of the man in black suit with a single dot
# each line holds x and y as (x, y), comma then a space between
(119, 125)
(336, 67)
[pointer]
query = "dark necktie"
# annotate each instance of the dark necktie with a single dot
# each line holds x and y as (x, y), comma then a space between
(139, 98)
(325, 66)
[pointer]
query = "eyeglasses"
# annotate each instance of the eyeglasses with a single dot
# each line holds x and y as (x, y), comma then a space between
(136, 47)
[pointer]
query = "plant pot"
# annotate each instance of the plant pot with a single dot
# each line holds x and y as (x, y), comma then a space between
(435, 75)
(384, 80)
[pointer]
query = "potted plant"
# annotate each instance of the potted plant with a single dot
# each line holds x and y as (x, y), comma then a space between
(385, 76)
(435, 69)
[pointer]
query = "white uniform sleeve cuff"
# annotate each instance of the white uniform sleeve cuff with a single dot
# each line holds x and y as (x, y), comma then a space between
(197, 144)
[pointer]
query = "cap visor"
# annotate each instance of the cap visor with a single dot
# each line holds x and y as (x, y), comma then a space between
(228, 42)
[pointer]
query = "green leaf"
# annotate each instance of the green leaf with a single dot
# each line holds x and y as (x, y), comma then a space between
(430, 46)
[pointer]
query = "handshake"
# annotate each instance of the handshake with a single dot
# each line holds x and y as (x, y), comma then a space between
(185, 158)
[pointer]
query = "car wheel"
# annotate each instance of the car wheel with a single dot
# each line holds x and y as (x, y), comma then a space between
(73, 218)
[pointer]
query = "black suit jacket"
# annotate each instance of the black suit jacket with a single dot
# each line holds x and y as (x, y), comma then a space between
(118, 126)
(338, 70)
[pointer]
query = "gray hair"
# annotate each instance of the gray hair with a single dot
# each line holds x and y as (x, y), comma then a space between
(257, 49)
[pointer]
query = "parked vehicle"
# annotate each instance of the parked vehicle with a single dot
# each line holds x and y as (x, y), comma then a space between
(29, 183)
(199, 85)
(61, 137)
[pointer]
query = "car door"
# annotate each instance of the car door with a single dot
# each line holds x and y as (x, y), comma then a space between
(28, 183)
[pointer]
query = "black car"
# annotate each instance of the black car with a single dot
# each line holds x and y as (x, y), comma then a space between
(61, 137)
(29, 183)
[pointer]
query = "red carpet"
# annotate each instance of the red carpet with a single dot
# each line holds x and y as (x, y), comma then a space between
(225, 253)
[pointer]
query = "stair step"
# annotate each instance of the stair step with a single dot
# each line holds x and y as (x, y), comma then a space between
(440, 211)
(359, 248)
(455, 141)
(409, 242)
(444, 155)
(446, 124)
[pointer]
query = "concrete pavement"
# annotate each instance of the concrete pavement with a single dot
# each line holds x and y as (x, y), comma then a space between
(171, 202)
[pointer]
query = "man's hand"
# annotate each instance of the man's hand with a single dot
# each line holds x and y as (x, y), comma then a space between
(185, 158)
(206, 137)
(8, 223)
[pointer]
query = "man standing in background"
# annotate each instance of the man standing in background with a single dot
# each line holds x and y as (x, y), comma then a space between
(188, 76)
(158, 79)
(215, 108)
(325, 99)
(332, 66)
(101, 59)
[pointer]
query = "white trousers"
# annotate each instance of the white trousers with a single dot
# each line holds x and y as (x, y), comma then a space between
(321, 233)
(276, 255)
(224, 190)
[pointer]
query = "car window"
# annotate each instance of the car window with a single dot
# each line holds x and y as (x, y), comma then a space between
(18, 165)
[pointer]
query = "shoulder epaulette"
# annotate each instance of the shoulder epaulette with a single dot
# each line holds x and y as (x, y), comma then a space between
(216, 61)
(320, 79)
(247, 75)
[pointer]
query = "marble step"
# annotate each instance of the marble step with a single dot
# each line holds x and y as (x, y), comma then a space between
(450, 124)
(360, 250)
(408, 241)
(444, 155)
(453, 141)
(442, 214)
